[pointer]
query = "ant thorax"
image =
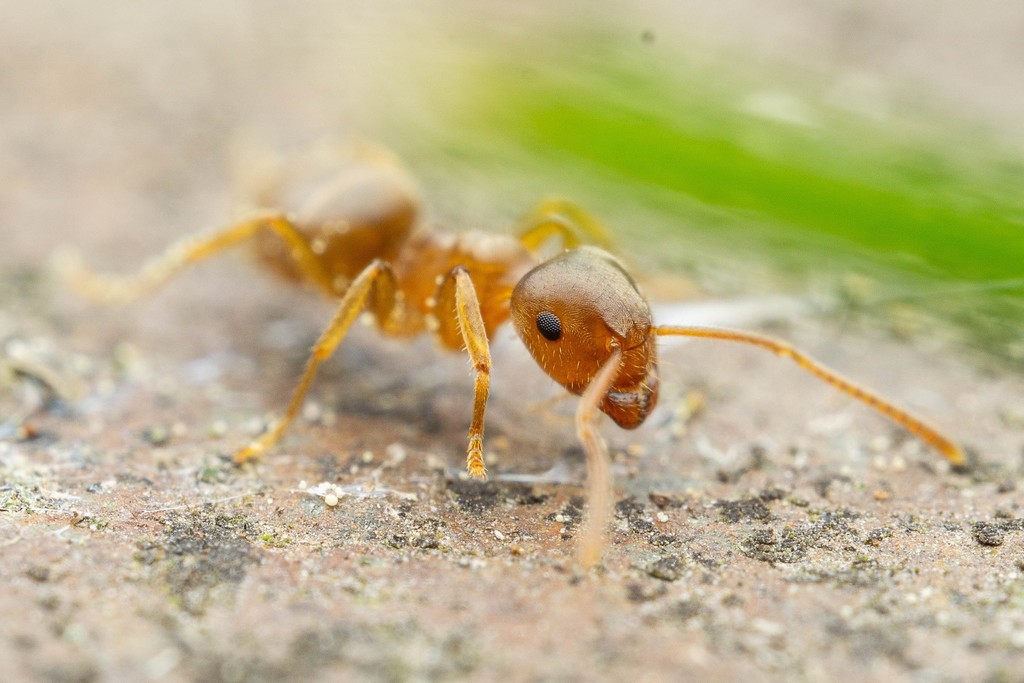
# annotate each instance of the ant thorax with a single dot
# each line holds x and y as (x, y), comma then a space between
(495, 264)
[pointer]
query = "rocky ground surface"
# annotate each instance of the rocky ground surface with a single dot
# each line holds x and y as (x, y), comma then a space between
(765, 527)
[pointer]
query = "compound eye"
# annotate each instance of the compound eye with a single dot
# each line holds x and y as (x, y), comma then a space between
(549, 325)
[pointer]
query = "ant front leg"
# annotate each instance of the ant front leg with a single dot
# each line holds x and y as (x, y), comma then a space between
(599, 470)
(374, 285)
(124, 289)
(456, 294)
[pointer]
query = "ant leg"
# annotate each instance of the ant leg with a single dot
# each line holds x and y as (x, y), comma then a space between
(599, 471)
(556, 217)
(457, 294)
(123, 289)
(911, 423)
(374, 285)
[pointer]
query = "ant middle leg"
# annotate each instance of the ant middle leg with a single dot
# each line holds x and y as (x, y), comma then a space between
(374, 286)
(457, 295)
(124, 289)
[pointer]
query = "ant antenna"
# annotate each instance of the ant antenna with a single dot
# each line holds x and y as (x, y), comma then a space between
(911, 423)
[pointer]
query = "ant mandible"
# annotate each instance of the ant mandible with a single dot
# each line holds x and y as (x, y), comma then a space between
(357, 237)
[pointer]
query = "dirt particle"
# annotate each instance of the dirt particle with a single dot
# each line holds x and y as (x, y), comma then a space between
(823, 484)
(772, 493)
(988, 534)
(888, 641)
(205, 549)
(477, 497)
(876, 536)
(379, 652)
(571, 514)
(629, 507)
(81, 671)
(994, 533)
(217, 429)
(668, 568)
(38, 573)
(733, 511)
(147, 552)
(665, 500)
(661, 540)
(756, 461)
(89, 522)
(635, 514)
(157, 435)
(909, 523)
(686, 609)
(644, 591)
(861, 572)
(427, 533)
(768, 546)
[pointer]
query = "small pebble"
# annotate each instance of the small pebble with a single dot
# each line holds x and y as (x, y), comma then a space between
(988, 534)
(157, 436)
(669, 568)
(635, 450)
(311, 412)
(396, 453)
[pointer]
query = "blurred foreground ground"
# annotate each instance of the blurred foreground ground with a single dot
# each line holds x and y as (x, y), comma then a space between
(780, 532)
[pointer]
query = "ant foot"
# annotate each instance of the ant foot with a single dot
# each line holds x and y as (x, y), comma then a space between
(475, 457)
(589, 552)
(250, 452)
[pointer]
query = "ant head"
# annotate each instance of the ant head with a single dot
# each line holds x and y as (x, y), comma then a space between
(572, 311)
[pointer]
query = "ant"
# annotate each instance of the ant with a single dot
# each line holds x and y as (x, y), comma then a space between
(356, 236)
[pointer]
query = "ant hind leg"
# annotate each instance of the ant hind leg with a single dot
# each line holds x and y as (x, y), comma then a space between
(124, 289)
(375, 286)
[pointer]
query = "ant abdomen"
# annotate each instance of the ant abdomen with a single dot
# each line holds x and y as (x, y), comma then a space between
(347, 217)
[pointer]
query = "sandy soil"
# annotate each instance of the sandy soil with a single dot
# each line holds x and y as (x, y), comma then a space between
(766, 528)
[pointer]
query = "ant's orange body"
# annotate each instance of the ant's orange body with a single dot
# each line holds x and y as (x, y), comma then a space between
(357, 237)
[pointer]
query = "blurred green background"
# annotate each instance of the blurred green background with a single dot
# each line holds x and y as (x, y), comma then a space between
(887, 207)
(867, 156)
